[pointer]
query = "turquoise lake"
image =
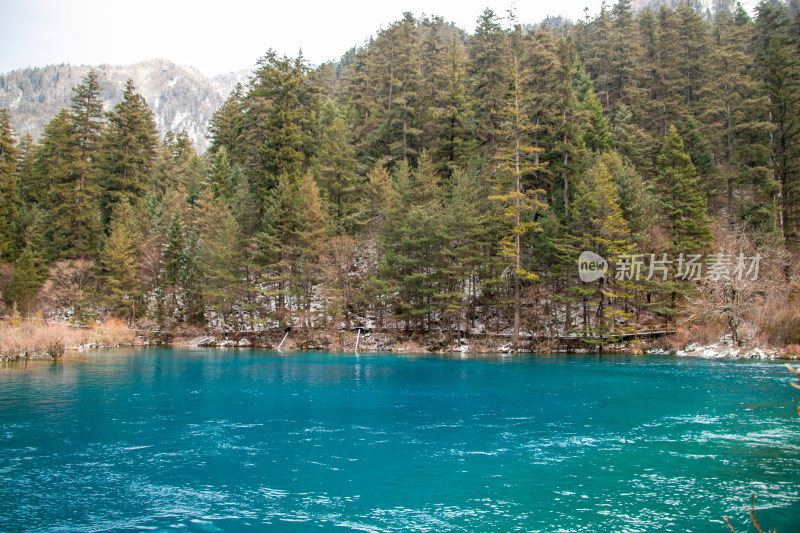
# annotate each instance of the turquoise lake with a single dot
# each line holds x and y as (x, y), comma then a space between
(215, 440)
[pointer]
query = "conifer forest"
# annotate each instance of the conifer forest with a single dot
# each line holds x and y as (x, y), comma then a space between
(437, 182)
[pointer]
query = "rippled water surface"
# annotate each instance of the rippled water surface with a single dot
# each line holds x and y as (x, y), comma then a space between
(239, 440)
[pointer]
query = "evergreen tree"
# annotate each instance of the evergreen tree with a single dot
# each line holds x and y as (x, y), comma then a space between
(9, 190)
(119, 261)
(32, 187)
(219, 176)
(311, 230)
(597, 224)
(568, 129)
(222, 261)
(172, 260)
(226, 124)
(624, 57)
(736, 104)
(410, 243)
(191, 281)
(129, 151)
(334, 167)
(469, 244)
(596, 133)
(455, 143)
(277, 123)
(779, 68)
(72, 204)
(26, 281)
(86, 115)
(683, 205)
(518, 201)
(488, 70)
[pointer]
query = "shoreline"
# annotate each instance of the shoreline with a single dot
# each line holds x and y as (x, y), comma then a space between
(698, 352)
(50, 341)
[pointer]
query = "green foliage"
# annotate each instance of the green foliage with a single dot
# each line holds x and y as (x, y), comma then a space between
(428, 179)
(119, 261)
(275, 123)
(222, 261)
(28, 277)
(334, 168)
(129, 151)
(682, 202)
(9, 190)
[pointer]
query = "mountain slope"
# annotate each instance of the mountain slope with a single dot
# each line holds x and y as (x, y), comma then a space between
(181, 97)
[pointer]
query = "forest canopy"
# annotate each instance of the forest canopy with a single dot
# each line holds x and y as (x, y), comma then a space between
(435, 180)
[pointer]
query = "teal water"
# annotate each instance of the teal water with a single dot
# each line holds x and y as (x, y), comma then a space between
(246, 440)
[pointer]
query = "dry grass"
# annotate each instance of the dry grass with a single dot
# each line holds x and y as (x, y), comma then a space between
(782, 327)
(792, 350)
(702, 334)
(34, 338)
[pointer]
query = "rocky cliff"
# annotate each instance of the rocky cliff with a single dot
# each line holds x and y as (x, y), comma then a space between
(181, 97)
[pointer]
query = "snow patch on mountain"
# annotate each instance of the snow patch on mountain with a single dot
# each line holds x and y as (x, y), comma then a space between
(181, 98)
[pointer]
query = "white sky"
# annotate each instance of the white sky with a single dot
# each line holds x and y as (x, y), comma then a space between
(222, 36)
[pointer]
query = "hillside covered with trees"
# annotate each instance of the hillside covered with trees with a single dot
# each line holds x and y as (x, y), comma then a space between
(432, 181)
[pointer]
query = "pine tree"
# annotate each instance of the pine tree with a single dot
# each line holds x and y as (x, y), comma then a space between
(404, 133)
(273, 251)
(546, 85)
(488, 71)
(410, 243)
(119, 261)
(191, 281)
(222, 261)
(32, 187)
(625, 55)
(86, 115)
(129, 151)
(682, 203)
(172, 261)
(72, 204)
(311, 231)
(736, 103)
(568, 129)
(455, 143)
(596, 131)
(334, 167)
(469, 242)
(636, 199)
(26, 281)
(226, 124)
(597, 224)
(433, 84)
(778, 67)
(602, 59)
(518, 202)
(9, 190)
(219, 175)
(370, 88)
(277, 125)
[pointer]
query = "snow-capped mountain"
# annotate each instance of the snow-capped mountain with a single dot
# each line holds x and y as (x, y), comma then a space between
(180, 96)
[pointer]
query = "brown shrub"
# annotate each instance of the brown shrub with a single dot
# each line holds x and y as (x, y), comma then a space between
(112, 332)
(34, 337)
(783, 328)
(702, 334)
(792, 349)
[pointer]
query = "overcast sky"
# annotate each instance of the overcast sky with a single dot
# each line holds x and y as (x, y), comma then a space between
(222, 36)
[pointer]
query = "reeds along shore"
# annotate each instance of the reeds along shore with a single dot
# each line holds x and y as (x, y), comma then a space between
(37, 338)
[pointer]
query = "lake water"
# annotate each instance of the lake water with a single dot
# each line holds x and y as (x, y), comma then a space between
(214, 440)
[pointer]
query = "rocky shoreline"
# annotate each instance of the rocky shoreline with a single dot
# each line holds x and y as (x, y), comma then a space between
(72, 339)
